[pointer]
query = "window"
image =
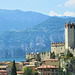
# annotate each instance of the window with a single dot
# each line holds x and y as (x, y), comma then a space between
(52, 70)
(48, 69)
(70, 26)
(44, 69)
(57, 74)
(52, 73)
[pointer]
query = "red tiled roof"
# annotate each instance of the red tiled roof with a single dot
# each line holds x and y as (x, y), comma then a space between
(51, 60)
(3, 71)
(20, 72)
(47, 66)
(35, 68)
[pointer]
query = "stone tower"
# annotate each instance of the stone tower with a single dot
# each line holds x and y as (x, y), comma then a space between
(69, 35)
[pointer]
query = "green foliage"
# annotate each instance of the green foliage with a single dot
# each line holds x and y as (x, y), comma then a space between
(35, 73)
(74, 58)
(28, 71)
(22, 61)
(69, 68)
(57, 55)
(53, 55)
(60, 70)
(13, 69)
(69, 54)
(43, 52)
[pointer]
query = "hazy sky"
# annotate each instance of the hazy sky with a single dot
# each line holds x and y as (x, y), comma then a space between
(48, 7)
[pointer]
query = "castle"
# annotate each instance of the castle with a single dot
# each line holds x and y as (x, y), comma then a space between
(69, 44)
(60, 48)
(39, 56)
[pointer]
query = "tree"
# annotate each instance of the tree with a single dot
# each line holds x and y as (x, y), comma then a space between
(13, 69)
(69, 54)
(35, 73)
(28, 71)
(53, 55)
(69, 69)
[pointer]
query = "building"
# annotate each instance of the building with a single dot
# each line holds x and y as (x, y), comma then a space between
(3, 72)
(5, 67)
(30, 56)
(58, 48)
(69, 35)
(32, 66)
(62, 48)
(48, 70)
(45, 55)
(52, 62)
(38, 56)
(20, 72)
(19, 66)
(10, 64)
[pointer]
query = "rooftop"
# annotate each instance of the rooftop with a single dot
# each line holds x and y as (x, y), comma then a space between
(20, 72)
(29, 65)
(3, 66)
(47, 66)
(3, 71)
(51, 60)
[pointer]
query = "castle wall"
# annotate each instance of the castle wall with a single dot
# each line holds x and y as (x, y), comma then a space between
(42, 56)
(58, 50)
(69, 35)
(45, 56)
(66, 36)
(74, 36)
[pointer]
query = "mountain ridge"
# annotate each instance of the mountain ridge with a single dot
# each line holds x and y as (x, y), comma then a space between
(17, 42)
(19, 20)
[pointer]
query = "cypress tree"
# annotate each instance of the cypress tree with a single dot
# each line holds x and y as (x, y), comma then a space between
(13, 69)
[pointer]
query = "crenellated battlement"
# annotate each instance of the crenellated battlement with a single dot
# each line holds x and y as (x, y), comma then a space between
(66, 25)
(57, 44)
(42, 56)
(70, 25)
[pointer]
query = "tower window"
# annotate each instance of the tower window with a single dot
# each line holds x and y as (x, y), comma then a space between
(70, 26)
(74, 26)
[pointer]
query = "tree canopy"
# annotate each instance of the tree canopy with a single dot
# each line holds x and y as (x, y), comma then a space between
(28, 71)
(35, 73)
(69, 54)
(13, 69)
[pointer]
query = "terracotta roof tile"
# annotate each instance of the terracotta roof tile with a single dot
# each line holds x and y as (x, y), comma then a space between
(20, 72)
(47, 66)
(51, 60)
(3, 71)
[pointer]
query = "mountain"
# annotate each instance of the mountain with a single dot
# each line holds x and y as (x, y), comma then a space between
(19, 20)
(35, 39)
